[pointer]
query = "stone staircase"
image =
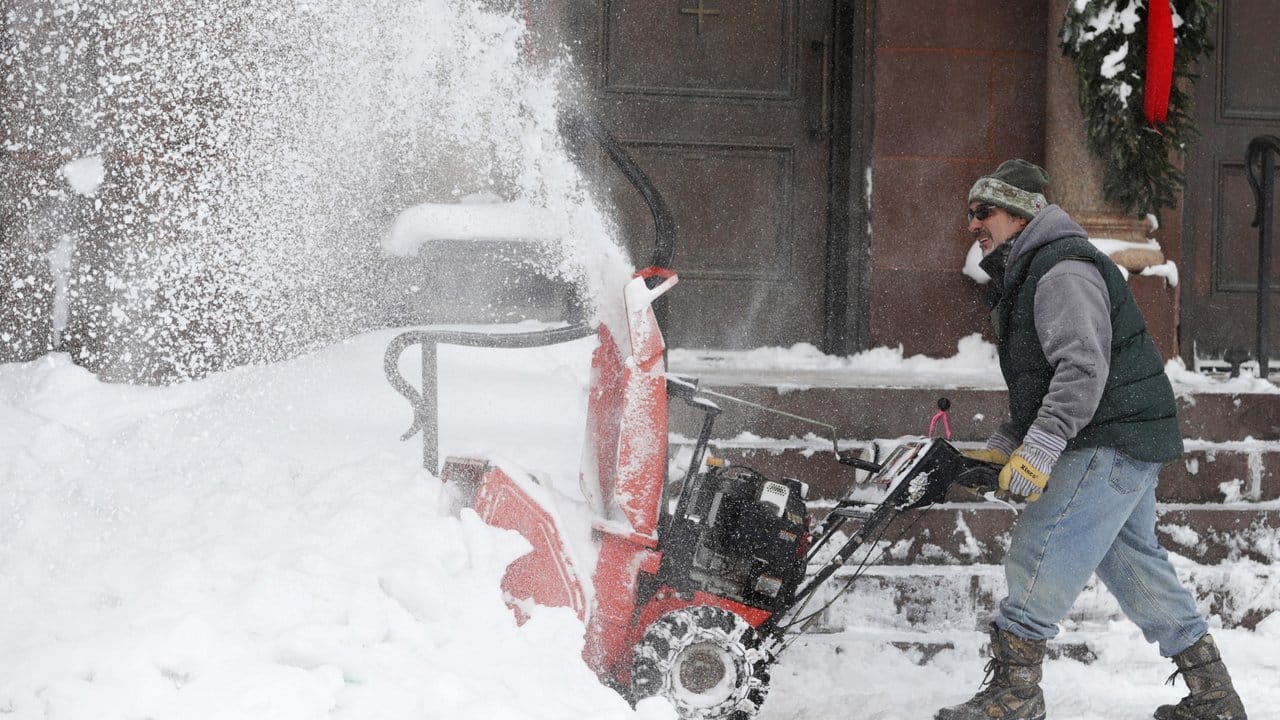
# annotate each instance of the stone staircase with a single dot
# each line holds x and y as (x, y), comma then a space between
(1219, 507)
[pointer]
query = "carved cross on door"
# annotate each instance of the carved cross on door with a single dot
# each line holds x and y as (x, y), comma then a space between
(700, 11)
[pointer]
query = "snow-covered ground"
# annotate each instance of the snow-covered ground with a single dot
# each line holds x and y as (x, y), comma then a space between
(260, 544)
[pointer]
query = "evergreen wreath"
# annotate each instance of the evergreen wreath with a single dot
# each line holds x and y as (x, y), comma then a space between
(1107, 39)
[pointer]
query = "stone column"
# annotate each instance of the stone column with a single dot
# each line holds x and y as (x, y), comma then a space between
(1075, 183)
(1075, 174)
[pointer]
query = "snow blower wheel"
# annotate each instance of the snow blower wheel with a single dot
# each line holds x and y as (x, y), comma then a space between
(706, 661)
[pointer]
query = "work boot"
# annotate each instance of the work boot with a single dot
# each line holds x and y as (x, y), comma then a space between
(1212, 695)
(1011, 689)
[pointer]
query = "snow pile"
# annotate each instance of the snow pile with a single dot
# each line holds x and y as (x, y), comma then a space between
(1187, 381)
(258, 545)
(975, 364)
(482, 217)
(1167, 269)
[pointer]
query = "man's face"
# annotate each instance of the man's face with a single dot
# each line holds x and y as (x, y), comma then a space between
(991, 225)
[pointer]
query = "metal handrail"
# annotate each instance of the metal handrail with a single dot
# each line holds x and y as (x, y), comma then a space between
(425, 401)
(1262, 153)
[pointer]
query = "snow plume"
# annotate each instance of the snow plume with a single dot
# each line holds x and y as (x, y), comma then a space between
(250, 157)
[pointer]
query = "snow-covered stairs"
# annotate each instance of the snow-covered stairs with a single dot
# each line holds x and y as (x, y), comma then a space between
(1219, 513)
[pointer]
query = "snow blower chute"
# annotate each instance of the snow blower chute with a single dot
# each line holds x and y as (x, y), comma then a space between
(700, 581)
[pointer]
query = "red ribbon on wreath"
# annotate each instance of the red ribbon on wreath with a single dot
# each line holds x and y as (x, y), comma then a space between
(1159, 78)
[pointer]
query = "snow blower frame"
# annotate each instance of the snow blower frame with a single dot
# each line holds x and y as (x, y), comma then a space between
(701, 583)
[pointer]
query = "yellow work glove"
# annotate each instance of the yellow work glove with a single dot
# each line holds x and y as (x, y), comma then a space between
(991, 455)
(999, 448)
(1027, 472)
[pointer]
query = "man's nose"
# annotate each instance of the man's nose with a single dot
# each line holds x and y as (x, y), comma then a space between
(975, 225)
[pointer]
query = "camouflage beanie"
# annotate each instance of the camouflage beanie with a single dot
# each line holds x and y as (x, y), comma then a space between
(1016, 186)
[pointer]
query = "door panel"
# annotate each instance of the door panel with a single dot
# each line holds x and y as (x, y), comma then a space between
(739, 49)
(720, 194)
(725, 105)
(1237, 98)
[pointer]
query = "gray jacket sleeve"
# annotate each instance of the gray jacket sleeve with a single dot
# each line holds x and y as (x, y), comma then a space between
(1073, 321)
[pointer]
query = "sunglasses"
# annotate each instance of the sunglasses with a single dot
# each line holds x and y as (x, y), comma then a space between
(981, 213)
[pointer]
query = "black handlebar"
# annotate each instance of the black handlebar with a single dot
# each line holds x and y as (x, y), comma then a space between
(971, 473)
(846, 457)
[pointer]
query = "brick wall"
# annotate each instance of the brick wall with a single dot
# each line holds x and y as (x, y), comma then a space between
(959, 87)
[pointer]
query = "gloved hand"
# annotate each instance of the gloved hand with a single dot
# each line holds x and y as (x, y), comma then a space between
(1027, 472)
(991, 455)
(999, 448)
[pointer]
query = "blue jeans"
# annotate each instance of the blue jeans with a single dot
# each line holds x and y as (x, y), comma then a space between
(1098, 514)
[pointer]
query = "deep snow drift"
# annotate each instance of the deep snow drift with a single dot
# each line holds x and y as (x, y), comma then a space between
(257, 545)
(260, 544)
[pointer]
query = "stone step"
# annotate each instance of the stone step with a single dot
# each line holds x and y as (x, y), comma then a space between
(920, 646)
(1219, 505)
(1219, 513)
(968, 533)
(1245, 473)
(940, 568)
(886, 412)
(945, 599)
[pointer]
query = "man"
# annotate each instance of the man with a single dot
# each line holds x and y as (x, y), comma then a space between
(1092, 419)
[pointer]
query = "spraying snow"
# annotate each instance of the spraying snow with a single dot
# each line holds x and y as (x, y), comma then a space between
(238, 163)
(85, 175)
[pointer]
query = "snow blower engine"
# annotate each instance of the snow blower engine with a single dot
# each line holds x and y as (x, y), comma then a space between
(744, 537)
(739, 553)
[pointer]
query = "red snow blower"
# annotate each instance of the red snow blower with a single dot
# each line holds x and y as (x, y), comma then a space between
(703, 580)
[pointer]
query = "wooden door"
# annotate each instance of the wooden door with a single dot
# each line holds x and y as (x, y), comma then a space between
(727, 106)
(1236, 99)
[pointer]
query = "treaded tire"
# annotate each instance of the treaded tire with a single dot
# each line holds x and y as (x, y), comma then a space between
(706, 661)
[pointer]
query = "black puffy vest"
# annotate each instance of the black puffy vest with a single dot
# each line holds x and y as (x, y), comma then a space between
(1137, 414)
